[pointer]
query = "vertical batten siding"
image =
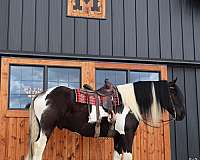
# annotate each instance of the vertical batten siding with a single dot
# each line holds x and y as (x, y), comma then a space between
(176, 29)
(130, 28)
(106, 31)
(28, 25)
(165, 30)
(55, 26)
(180, 129)
(172, 124)
(118, 27)
(198, 99)
(42, 26)
(4, 9)
(68, 31)
(142, 35)
(196, 25)
(192, 116)
(15, 25)
(81, 36)
(153, 29)
(185, 134)
(187, 25)
(93, 37)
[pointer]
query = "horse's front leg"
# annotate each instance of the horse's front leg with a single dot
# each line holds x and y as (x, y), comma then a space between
(127, 139)
(117, 147)
(127, 145)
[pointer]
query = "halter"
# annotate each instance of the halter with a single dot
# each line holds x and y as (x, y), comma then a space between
(164, 121)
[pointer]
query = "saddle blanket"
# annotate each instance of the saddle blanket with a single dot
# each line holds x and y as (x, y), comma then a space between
(86, 98)
(93, 116)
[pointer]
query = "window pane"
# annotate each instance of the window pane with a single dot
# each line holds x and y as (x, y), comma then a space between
(69, 77)
(116, 77)
(25, 82)
(144, 76)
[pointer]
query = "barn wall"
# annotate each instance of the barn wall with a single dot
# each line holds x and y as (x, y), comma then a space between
(156, 29)
(185, 135)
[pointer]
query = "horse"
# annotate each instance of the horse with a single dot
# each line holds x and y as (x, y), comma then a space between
(139, 101)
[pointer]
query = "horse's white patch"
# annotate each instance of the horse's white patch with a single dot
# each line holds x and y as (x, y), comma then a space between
(93, 114)
(128, 98)
(127, 156)
(40, 103)
(155, 109)
(117, 156)
(120, 120)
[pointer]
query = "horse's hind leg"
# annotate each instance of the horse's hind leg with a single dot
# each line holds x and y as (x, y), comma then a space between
(39, 146)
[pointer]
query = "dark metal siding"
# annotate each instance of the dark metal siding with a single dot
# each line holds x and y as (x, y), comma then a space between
(156, 29)
(3, 23)
(185, 138)
(147, 29)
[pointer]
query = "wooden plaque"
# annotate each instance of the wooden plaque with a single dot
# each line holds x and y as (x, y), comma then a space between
(86, 8)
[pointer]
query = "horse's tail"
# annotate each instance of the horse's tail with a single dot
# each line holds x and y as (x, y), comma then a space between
(34, 129)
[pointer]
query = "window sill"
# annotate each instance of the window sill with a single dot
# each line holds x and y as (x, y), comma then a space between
(17, 113)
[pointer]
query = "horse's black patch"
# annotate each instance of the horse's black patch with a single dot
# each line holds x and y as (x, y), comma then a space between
(162, 93)
(144, 98)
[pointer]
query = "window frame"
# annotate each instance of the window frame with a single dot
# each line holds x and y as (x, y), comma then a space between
(9, 81)
(162, 69)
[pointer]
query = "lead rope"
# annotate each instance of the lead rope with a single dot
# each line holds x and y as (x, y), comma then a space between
(97, 126)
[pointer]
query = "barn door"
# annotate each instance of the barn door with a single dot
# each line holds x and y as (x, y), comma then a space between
(22, 78)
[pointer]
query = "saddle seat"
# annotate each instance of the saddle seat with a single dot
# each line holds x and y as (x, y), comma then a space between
(106, 90)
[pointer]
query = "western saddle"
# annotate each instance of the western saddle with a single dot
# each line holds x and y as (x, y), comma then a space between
(108, 91)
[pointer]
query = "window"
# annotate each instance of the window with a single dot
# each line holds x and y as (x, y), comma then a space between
(116, 77)
(144, 76)
(27, 81)
(69, 77)
(121, 77)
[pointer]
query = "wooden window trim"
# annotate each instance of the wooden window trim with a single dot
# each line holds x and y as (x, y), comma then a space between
(135, 67)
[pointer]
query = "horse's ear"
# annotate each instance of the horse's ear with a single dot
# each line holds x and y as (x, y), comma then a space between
(173, 82)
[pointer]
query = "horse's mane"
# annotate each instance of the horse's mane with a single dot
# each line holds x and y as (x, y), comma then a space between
(146, 99)
(150, 94)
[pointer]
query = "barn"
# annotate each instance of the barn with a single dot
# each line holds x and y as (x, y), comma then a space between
(44, 43)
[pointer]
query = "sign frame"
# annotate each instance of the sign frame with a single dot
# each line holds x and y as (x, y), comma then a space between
(84, 10)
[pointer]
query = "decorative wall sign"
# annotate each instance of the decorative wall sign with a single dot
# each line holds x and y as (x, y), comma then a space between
(87, 8)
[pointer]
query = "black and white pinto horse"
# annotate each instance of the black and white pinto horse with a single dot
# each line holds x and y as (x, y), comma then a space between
(141, 101)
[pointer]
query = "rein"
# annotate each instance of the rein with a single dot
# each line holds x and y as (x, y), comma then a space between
(163, 121)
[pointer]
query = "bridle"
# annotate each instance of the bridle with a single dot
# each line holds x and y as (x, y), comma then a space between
(164, 121)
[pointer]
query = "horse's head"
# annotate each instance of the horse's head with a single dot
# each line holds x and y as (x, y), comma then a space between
(177, 109)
